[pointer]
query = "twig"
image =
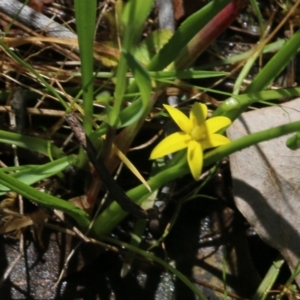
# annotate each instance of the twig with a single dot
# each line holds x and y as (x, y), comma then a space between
(10, 268)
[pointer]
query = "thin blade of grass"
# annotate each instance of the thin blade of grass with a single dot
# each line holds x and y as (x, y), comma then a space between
(143, 81)
(269, 280)
(187, 74)
(34, 174)
(85, 12)
(133, 18)
(130, 166)
(46, 200)
(31, 143)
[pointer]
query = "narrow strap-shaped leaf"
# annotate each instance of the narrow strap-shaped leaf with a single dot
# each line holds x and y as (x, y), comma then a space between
(46, 200)
(31, 143)
(33, 174)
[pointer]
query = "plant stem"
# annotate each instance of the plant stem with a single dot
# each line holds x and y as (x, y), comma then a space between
(114, 214)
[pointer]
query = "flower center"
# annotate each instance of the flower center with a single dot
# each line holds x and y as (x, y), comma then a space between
(198, 133)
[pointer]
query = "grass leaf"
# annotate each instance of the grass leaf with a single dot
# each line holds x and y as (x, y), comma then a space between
(31, 143)
(85, 12)
(46, 200)
(143, 81)
(33, 174)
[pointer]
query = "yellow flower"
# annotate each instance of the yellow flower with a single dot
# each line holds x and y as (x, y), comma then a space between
(197, 134)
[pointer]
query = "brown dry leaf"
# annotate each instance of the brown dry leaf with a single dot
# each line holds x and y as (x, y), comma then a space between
(18, 223)
(266, 180)
(81, 202)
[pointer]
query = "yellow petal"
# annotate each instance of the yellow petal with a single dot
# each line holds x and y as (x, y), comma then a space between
(195, 158)
(215, 124)
(198, 114)
(180, 118)
(214, 140)
(172, 143)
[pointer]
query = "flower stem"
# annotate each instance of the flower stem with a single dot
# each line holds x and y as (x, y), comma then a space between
(114, 214)
(249, 140)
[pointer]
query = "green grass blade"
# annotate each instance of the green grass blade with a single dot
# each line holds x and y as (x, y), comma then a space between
(33, 174)
(46, 200)
(113, 117)
(249, 140)
(232, 106)
(31, 143)
(187, 74)
(258, 13)
(133, 18)
(85, 12)
(128, 114)
(269, 280)
(143, 82)
(151, 45)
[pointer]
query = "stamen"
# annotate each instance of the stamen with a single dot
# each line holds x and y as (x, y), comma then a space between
(198, 133)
